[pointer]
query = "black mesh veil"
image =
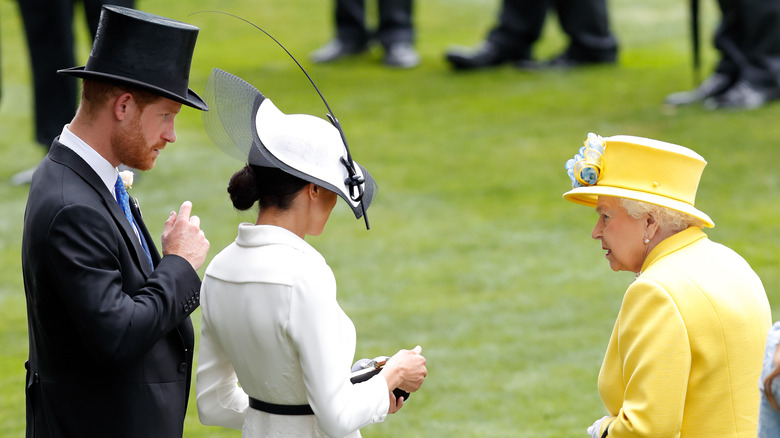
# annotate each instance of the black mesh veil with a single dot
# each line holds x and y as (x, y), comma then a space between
(229, 122)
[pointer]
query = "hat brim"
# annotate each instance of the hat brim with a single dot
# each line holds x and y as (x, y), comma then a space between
(320, 164)
(249, 127)
(588, 196)
(192, 99)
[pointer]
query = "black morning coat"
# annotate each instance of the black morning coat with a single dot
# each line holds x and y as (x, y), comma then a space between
(111, 341)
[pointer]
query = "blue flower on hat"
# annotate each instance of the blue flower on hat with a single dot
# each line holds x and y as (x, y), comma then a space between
(585, 168)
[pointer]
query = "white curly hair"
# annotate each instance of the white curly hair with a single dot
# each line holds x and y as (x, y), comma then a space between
(667, 218)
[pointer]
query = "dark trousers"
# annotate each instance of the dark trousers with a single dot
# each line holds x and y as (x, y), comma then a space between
(48, 25)
(395, 22)
(584, 21)
(748, 39)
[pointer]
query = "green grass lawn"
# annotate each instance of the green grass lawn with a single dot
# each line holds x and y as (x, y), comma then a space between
(472, 252)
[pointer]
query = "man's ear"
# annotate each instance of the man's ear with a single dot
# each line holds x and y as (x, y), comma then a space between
(121, 105)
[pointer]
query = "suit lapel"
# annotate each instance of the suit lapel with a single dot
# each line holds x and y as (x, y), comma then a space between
(135, 209)
(63, 155)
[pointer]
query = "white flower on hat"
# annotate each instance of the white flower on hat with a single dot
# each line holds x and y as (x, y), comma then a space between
(127, 178)
(585, 168)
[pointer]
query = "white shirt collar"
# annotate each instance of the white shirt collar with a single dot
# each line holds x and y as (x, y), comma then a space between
(100, 165)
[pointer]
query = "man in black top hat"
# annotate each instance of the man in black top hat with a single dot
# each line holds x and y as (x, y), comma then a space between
(111, 341)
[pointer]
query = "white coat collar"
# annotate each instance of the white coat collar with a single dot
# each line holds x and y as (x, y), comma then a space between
(258, 235)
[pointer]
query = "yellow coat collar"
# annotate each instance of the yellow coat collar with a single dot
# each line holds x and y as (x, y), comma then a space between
(672, 244)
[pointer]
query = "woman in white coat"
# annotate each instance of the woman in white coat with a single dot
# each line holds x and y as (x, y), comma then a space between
(276, 349)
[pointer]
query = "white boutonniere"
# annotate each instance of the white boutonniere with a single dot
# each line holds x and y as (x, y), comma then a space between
(127, 178)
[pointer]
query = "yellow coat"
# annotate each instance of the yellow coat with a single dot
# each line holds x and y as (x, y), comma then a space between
(685, 354)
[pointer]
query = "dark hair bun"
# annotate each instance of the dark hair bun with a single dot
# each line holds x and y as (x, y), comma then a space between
(272, 187)
(243, 189)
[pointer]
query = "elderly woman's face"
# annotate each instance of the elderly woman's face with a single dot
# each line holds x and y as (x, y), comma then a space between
(621, 235)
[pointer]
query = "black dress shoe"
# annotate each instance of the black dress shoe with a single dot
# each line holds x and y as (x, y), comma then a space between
(337, 49)
(714, 85)
(401, 55)
(742, 96)
(486, 55)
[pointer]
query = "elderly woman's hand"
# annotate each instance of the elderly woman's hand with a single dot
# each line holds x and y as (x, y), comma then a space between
(595, 430)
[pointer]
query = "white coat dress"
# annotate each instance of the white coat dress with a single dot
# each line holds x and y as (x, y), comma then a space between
(271, 324)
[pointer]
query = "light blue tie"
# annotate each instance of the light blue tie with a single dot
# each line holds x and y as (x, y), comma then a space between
(124, 202)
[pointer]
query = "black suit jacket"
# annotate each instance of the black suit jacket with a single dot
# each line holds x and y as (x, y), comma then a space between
(111, 341)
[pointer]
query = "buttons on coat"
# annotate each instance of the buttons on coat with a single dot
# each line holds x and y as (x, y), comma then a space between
(183, 367)
(192, 302)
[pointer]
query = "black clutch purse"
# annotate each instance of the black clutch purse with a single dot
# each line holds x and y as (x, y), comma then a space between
(365, 369)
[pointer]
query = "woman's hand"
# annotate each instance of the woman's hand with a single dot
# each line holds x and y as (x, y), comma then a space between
(405, 370)
(595, 430)
(395, 403)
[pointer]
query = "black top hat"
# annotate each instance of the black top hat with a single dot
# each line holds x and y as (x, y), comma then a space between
(143, 50)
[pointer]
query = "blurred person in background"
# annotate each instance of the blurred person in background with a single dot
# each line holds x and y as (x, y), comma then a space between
(769, 387)
(520, 25)
(395, 32)
(685, 353)
(111, 341)
(747, 75)
(1, 74)
(276, 348)
(48, 25)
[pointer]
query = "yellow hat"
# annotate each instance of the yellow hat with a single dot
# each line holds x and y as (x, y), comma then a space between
(637, 168)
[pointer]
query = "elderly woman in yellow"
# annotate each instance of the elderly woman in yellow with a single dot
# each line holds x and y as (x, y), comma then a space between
(686, 350)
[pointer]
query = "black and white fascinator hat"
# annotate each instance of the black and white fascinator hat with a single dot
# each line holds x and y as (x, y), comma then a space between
(248, 126)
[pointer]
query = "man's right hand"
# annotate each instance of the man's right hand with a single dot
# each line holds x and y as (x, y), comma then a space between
(182, 236)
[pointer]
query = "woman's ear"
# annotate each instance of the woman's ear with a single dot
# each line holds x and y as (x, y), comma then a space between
(651, 227)
(313, 190)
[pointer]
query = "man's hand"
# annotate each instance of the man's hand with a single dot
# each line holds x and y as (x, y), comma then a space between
(182, 236)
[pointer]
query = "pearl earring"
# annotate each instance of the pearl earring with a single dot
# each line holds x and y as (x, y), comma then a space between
(647, 240)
